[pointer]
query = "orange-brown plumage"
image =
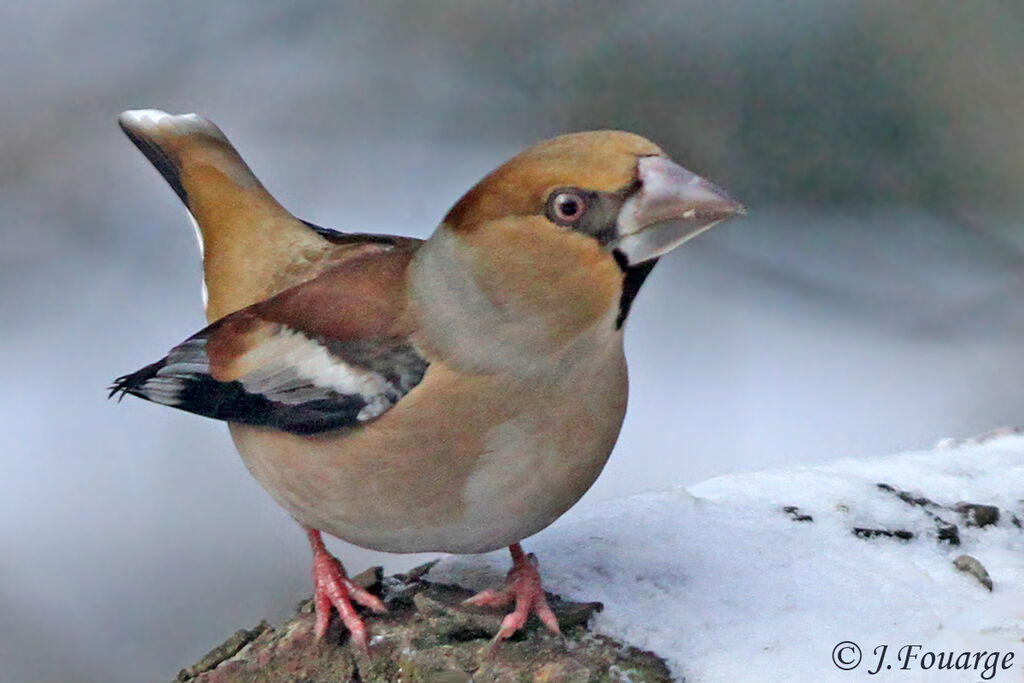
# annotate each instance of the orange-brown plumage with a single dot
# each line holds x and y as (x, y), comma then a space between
(599, 160)
(457, 394)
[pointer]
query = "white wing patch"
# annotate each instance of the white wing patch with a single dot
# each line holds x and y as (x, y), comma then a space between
(289, 362)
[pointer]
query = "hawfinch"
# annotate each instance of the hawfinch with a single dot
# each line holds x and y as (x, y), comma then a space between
(455, 394)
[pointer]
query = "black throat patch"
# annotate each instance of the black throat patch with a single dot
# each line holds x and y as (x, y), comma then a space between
(633, 277)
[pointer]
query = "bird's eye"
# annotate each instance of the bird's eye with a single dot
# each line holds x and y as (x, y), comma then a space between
(565, 207)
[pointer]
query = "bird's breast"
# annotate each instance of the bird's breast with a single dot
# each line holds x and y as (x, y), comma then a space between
(464, 463)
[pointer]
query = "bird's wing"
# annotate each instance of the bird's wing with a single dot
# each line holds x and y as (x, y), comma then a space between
(332, 352)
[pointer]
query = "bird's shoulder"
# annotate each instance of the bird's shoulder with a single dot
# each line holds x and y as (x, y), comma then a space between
(330, 249)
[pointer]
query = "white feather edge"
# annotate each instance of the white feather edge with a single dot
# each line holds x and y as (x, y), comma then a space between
(149, 120)
(202, 256)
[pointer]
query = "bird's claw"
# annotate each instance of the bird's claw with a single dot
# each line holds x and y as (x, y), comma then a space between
(523, 587)
(332, 588)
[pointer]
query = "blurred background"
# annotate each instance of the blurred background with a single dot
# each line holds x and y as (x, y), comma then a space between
(871, 302)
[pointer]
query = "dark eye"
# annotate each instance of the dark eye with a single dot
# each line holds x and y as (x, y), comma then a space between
(565, 207)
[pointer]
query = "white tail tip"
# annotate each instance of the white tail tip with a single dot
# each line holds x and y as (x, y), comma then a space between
(148, 120)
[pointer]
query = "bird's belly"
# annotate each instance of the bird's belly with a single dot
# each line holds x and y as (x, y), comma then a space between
(461, 464)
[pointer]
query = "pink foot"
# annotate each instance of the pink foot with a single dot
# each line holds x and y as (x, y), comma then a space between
(524, 587)
(333, 588)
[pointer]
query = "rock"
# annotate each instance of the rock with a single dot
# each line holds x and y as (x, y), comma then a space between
(229, 648)
(978, 515)
(970, 565)
(946, 532)
(794, 513)
(995, 434)
(900, 534)
(907, 497)
(427, 635)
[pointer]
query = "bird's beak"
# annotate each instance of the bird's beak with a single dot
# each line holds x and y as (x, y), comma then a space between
(671, 206)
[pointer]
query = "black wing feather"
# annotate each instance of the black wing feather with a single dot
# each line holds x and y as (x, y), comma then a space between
(297, 404)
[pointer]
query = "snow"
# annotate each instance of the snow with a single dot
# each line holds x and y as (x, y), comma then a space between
(727, 586)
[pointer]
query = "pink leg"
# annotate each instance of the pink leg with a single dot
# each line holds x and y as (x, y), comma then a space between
(524, 587)
(333, 588)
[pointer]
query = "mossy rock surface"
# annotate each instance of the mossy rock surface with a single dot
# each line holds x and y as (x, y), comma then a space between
(427, 636)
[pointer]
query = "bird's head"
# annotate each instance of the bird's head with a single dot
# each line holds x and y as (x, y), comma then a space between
(557, 241)
(614, 187)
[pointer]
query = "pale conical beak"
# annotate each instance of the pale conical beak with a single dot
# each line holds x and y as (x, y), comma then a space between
(671, 206)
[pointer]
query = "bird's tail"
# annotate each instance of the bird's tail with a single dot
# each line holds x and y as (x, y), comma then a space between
(246, 235)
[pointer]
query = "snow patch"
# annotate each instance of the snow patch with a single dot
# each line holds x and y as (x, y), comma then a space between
(728, 585)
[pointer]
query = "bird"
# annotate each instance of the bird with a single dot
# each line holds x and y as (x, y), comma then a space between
(455, 394)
